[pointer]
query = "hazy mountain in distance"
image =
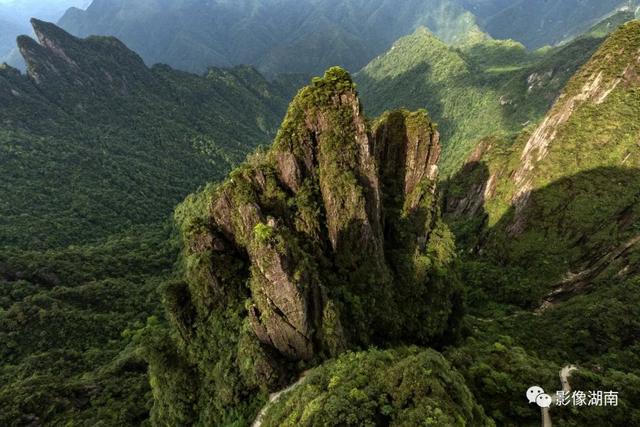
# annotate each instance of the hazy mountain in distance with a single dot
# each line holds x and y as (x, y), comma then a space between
(310, 35)
(20, 11)
(8, 32)
(536, 23)
(273, 35)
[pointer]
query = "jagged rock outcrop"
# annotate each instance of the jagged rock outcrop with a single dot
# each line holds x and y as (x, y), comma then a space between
(331, 239)
(62, 64)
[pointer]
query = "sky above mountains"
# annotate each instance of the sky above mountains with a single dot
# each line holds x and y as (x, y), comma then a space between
(19, 11)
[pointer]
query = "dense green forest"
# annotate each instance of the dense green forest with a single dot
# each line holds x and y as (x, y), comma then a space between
(67, 323)
(418, 256)
(477, 89)
(96, 149)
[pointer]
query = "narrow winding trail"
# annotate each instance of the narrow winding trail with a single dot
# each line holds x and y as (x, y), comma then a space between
(274, 397)
(565, 374)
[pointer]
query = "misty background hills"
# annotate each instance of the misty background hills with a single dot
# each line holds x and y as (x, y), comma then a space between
(305, 36)
(14, 21)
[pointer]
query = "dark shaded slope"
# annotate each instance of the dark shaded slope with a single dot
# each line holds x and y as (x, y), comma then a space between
(549, 223)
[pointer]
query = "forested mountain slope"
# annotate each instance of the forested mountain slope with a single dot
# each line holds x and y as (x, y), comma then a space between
(274, 35)
(93, 141)
(547, 231)
(548, 223)
(586, 145)
(95, 151)
(489, 87)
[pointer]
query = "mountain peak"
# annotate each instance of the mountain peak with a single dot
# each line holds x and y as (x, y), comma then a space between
(334, 229)
(97, 65)
(49, 34)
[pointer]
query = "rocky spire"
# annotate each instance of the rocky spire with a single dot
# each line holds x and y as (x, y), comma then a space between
(330, 240)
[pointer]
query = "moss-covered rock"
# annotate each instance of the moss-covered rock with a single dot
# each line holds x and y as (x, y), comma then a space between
(309, 249)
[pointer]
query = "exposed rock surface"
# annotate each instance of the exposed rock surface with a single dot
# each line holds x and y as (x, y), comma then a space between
(558, 207)
(330, 240)
(590, 87)
(60, 63)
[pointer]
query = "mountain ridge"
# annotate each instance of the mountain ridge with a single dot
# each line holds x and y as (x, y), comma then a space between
(270, 35)
(478, 90)
(76, 90)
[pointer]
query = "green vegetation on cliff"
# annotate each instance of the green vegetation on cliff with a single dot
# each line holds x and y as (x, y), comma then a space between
(403, 387)
(301, 254)
(478, 89)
